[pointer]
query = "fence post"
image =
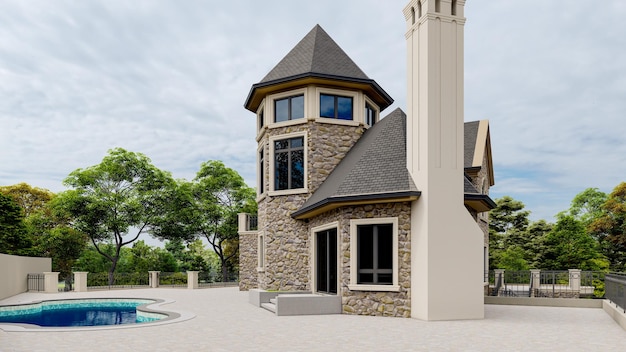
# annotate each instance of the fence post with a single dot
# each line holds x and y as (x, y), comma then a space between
(535, 284)
(80, 281)
(154, 279)
(51, 282)
(192, 280)
(574, 279)
(498, 281)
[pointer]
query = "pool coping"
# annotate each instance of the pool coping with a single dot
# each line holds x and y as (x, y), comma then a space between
(173, 316)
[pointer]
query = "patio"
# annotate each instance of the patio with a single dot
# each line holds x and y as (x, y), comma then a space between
(225, 321)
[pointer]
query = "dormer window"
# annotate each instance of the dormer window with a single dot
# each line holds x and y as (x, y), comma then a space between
(289, 108)
(335, 107)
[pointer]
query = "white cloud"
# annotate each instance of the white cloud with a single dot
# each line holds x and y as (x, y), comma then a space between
(169, 79)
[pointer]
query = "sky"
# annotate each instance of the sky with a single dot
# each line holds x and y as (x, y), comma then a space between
(169, 79)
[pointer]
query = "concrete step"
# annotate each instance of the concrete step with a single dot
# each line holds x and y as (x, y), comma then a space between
(273, 300)
(269, 306)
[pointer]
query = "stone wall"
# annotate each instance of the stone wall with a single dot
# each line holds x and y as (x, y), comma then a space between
(287, 247)
(248, 260)
(378, 303)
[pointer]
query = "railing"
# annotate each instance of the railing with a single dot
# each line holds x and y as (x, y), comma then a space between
(173, 279)
(547, 284)
(36, 282)
(100, 281)
(615, 288)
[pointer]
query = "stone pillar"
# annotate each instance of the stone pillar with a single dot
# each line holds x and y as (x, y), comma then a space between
(242, 222)
(574, 279)
(51, 282)
(535, 280)
(80, 281)
(192, 280)
(154, 279)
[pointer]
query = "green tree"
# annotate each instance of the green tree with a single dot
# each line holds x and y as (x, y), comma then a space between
(508, 223)
(64, 245)
(117, 200)
(30, 199)
(587, 206)
(610, 227)
(219, 194)
(569, 246)
(513, 259)
(13, 236)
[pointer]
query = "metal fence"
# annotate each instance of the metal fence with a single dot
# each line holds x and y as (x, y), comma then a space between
(547, 284)
(36, 282)
(100, 281)
(615, 288)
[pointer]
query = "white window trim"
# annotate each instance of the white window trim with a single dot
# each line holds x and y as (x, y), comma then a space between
(313, 260)
(261, 253)
(269, 108)
(353, 286)
(356, 116)
(271, 191)
(375, 106)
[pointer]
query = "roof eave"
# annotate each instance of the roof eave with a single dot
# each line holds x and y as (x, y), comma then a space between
(479, 202)
(341, 201)
(260, 90)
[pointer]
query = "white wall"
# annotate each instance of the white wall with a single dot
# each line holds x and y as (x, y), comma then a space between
(13, 272)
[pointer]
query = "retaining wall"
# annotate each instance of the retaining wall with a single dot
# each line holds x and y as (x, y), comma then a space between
(13, 272)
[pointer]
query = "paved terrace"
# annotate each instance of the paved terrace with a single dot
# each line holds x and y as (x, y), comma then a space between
(226, 322)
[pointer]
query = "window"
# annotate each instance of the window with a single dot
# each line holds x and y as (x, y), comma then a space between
(261, 253)
(437, 5)
(419, 9)
(261, 119)
(335, 107)
(453, 12)
(374, 254)
(412, 15)
(289, 108)
(370, 114)
(289, 163)
(261, 171)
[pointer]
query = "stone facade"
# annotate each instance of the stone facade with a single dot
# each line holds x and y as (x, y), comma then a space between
(378, 303)
(287, 242)
(248, 260)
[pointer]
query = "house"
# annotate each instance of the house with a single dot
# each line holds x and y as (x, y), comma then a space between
(387, 216)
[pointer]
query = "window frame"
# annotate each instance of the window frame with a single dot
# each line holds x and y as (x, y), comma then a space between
(260, 252)
(289, 98)
(261, 170)
(354, 285)
(272, 191)
(374, 108)
(336, 98)
(313, 256)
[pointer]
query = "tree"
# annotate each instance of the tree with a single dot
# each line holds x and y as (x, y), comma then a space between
(507, 227)
(117, 200)
(64, 245)
(219, 194)
(30, 199)
(610, 227)
(587, 206)
(569, 246)
(13, 237)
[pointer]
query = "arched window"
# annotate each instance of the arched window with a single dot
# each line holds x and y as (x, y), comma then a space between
(453, 8)
(419, 9)
(412, 15)
(437, 5)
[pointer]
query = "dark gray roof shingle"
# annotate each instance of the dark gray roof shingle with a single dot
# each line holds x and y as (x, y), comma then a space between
(471, 133)
(317, 53)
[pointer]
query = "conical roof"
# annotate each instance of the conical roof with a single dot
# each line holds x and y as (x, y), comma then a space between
(316, 59)
(318, 53)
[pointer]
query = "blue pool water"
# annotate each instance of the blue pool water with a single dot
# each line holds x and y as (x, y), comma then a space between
(83, 312)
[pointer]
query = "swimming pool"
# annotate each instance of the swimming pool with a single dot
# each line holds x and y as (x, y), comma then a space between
(80, 312)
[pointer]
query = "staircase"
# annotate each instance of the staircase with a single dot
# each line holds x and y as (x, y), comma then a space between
(271, 305)
(296, 303)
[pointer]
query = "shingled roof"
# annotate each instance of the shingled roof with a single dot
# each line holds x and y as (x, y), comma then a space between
(317, 53)
(317, 58)
(375, 170)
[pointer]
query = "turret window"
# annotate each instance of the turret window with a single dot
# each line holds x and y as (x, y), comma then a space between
(335, 107)
(289, 108)
(370, 114)
(289, 163)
